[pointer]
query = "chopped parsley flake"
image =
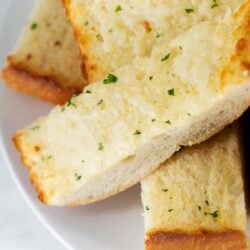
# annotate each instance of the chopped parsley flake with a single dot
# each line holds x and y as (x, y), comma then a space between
(110, 79)
(82, 161)
(151, 77)
(189, 114)
(33, 26)
(36, 127)
(189, 10)
(88, 91)
(77, 177)
(137, 132)
(158, 35)
(86, 23)
(153, 120)
(166, 57)
(168, 122)
(214, 214)
(100, 102)
(118, 8)
(171, 92)
(207, 203)
(147, 208)
(170, 210)
(164, 190)
(110, 30)
(100, 146)
(70, 103)
(199, 208)
(214, 4)
(46, 158)
(180, 47)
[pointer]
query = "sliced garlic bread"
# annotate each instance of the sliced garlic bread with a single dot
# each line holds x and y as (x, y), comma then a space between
(46, 62)
(195, 200)
(122, 128)
(113, 33)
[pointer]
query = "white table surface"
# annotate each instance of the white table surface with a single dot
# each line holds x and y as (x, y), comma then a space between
(20, 229)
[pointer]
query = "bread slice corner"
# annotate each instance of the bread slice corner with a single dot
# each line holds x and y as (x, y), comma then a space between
(195, 200)
(46, 62)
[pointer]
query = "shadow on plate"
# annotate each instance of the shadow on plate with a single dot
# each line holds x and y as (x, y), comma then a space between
(245, 123)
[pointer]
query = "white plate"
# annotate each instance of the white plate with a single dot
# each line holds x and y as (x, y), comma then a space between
(115, 223)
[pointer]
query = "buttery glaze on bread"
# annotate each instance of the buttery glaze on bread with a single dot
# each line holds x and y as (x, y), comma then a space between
(123, 127)
(113, 33)
(47, 60)
(195, 200)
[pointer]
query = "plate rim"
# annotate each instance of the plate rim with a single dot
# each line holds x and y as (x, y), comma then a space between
(25, 196)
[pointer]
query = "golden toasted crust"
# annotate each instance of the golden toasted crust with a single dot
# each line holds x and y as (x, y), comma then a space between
(209, 240)
(240, 60)
(39, 86)
(91, 70)
(46, 61)
(33, 177)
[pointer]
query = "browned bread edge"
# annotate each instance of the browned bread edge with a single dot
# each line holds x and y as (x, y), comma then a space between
(43, 87)
(228, 239)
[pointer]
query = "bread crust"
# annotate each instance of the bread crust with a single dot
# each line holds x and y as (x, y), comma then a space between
(209, 240)
(91, 71)
(43, 87)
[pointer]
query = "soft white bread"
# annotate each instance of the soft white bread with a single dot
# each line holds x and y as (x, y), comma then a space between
(46, 62)
(195, 200)
(120, 130)
(113, 33)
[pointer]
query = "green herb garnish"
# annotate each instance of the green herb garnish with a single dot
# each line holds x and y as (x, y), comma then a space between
(46, 158)
(189, 10)
(170, 210)
(33, 26)
(110, 79)
(166, 57)
(36, 127)
(207, 203)
(153, 120)
(214, 214)
(214, 4)
(137, 132)
(158, 35)
(70, 103)
(88, 91)
(147, 208)
(171, 92)
(77, 177)
(100, 102)
(86, 23)
(168, 122)
(199, 208)
(100, 146)
(118, 8)
(164, 190)
(150, 78)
